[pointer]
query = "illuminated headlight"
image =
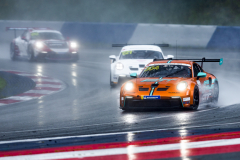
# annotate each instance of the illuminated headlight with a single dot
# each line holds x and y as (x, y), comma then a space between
(119, 66)
(39, 44)
(73, 45)
(182, 86)
(129, 86)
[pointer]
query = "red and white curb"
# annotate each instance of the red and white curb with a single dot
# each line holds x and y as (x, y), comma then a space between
(171, 147)
(44, 86)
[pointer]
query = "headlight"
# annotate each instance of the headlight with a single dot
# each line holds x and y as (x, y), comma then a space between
(129, 86)
(119, 66)
(73, 45)
(39, 44)
(182, 86)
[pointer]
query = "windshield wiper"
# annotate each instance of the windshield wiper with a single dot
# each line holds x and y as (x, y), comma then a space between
(170, 74)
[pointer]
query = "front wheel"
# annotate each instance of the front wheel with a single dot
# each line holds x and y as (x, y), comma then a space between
(31, 56)
(12, 52)
(195, 99)
(111, 83)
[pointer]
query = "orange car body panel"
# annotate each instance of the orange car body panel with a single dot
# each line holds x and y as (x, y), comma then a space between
(169, 84)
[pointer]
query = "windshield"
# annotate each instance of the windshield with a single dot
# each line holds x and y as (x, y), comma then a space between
(167, 71)
(141, 54)
(46, 35)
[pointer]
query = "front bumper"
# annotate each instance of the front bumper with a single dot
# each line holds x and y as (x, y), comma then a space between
(156, 103)
(58, 56)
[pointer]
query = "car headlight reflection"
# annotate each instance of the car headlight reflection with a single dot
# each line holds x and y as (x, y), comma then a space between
(39, 44)
(119, 66)
(73, 45)
(182, 86)
(129, 86)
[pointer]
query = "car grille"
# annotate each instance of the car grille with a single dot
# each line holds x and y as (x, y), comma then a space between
(143, 89)
(57, 45)
(162, 103)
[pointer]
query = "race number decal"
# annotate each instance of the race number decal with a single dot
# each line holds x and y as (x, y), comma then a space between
(126, 52)
(152, 68)
(34, 34)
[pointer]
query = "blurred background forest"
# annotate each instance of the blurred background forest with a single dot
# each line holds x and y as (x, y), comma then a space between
(202, 12)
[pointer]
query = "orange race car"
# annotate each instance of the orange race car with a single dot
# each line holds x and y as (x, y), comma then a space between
(178, 83)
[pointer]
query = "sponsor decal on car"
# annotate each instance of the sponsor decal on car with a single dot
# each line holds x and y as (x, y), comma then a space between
(186, 99)
(150, 97)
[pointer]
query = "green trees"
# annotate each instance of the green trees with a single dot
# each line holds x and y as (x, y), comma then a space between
(203, 12)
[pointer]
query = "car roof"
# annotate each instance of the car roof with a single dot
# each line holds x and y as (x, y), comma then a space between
(142, 47)
(53, 31)
(172, 62)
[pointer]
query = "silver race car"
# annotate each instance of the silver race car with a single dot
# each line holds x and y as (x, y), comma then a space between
(42, 43)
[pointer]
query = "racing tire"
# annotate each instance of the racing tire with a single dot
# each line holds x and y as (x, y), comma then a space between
(12, 52)
(215, 93)
(195, 99)
(124, 109)
(111, 83)
(31, 57)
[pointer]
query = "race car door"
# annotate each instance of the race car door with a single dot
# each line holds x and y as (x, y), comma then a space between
(203, 83)
(21, 43)
(25, 43)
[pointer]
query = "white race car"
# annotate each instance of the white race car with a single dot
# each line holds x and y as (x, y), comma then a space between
(133, 59)
(42, 43)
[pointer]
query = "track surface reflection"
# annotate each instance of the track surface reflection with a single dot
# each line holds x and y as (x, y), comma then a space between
(89, 105)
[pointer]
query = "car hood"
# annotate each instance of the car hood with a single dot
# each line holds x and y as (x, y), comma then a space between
(166, 81)
(134, 63)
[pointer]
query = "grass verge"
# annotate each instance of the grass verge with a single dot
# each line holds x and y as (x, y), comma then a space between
(2, 83)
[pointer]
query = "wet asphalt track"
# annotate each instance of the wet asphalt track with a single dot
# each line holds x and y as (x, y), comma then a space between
(89, 105)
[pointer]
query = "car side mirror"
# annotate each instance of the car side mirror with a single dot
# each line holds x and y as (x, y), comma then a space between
(169, 57)
(113, 58)
(201, 75)
(133, 75)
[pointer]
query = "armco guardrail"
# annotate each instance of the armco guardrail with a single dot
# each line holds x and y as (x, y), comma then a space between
(99, 32)
(108, 33)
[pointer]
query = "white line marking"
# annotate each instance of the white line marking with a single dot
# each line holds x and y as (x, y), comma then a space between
(45, 80)
(22, 98)
(25, 74)
(40, 91)
(49, 85)
(183, 146)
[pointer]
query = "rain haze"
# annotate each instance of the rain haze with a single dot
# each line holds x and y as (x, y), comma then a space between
(75, 97)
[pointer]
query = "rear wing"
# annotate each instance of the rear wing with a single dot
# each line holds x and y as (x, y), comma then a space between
(14, 29)
(24, 28)
(122, 45)
(197, 60)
